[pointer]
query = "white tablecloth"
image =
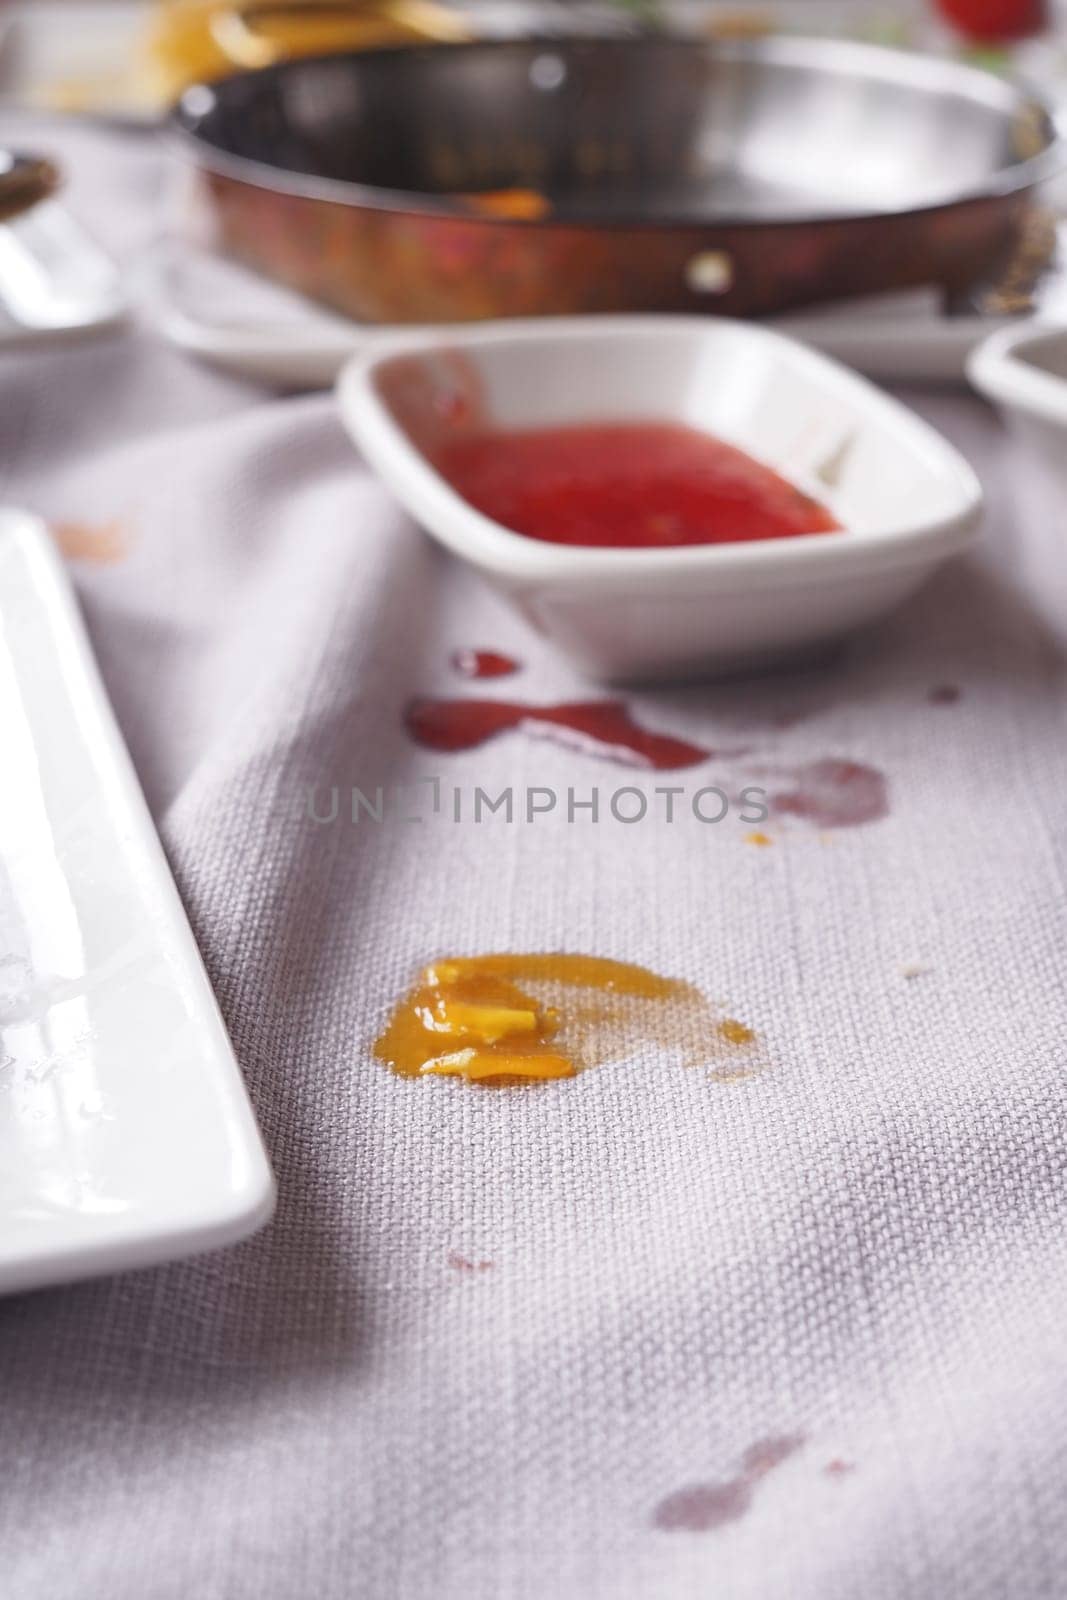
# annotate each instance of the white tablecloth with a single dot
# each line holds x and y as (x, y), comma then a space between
(794, 1337)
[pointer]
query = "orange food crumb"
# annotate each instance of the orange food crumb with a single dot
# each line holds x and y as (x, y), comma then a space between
(518, 205)
(757, 838)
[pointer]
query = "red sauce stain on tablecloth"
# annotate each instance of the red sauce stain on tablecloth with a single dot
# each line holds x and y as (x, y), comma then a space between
(483, 664)
(766, 1454)
(838, 1468)
(643, 485)
(465, 1264)
(834, 794)
(599, 727)
(702, 1507)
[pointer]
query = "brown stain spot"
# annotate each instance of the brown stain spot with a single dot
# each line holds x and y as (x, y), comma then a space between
(466, 1264)
(838, 1468)
(834, 794)
(944, 694)
(702, 1507)
(102, 543)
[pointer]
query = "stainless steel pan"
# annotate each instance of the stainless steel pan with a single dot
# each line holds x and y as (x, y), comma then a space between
(455, 182)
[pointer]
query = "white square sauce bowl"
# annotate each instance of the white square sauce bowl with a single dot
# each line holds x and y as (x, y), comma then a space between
(905, 498)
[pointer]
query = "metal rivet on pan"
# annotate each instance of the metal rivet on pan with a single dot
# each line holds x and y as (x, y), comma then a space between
(198, 100)
(547, 71)
(711, 272)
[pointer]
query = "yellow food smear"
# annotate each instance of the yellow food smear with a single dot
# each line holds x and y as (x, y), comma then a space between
(760, 839)
(586, 972)
(477, 1064)
(735, 1032)
(508, 1019)
(490, 1024)
(190, 40)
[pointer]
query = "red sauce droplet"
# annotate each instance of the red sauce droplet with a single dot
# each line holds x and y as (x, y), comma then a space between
(838, 1468)
(466, 1264)
(483, 664)
(600, 727)
(835, 794)
(645, 485)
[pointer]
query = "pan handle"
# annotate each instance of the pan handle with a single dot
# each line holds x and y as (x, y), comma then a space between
(256, 33)
(24, 180)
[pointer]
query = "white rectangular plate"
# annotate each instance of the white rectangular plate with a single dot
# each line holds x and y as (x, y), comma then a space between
(126, 1136)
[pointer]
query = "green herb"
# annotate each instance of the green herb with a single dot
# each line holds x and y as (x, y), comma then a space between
(647, 13)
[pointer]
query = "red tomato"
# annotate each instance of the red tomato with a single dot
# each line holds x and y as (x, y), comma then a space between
(996, 21)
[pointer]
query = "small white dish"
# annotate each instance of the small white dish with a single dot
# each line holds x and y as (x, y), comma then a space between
(906, 497)
(126, 1136)
(221, 313)
(56, 284)
(1023, 370)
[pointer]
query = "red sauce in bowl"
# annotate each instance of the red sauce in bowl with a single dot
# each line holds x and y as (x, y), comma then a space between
(645, 485)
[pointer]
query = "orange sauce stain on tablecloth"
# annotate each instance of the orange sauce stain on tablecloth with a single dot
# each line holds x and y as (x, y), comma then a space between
(103, 542)
(736, 1032)
(507, 1019)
